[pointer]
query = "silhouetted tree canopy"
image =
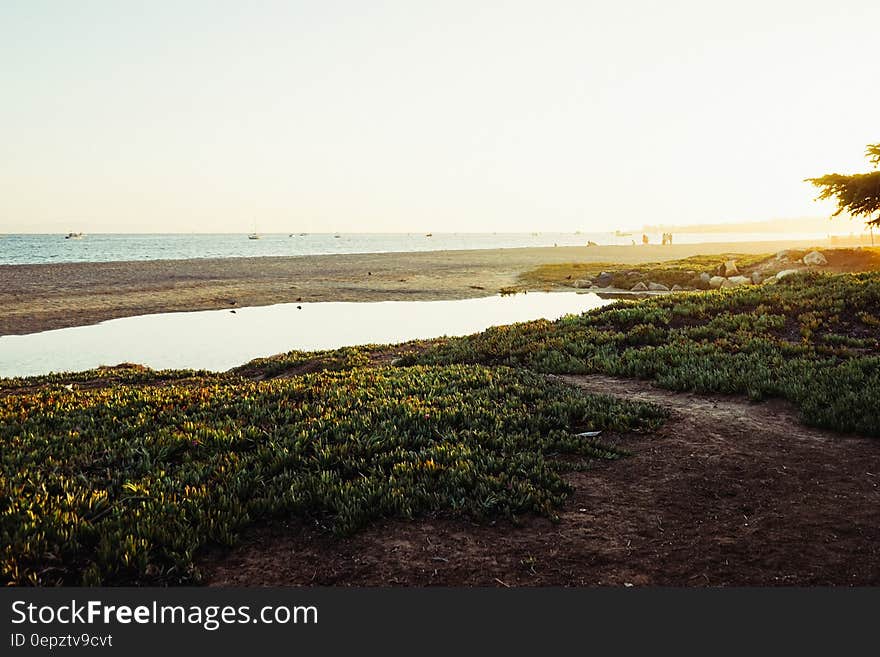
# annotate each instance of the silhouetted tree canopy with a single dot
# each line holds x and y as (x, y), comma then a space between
(859, 193)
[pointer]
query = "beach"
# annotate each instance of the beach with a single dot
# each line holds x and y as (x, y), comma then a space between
(42, 297)
(623, 447)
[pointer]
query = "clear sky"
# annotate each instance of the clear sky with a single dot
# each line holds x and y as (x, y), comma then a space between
(397, 116)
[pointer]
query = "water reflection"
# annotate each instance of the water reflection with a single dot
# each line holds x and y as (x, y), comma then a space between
(220, 339)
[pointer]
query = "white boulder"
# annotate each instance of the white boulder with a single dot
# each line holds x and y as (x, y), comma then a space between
(815, 258)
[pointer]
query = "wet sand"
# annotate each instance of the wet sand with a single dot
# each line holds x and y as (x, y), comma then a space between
(41, 297)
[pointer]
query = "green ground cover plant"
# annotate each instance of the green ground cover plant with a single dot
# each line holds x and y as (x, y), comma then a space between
(124, 484)
(811, 338)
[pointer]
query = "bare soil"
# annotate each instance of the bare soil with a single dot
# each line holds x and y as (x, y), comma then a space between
(727, 493)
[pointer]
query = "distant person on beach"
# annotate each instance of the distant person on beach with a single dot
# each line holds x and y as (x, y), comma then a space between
(644, 239)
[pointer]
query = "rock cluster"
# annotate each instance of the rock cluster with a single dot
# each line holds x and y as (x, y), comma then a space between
(727, 274)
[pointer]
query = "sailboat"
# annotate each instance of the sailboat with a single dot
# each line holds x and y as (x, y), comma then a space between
(255, 235)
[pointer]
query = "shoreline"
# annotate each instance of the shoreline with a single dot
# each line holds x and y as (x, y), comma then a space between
(42, 297)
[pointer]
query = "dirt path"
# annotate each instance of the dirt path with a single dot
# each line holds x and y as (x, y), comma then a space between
(727, 493)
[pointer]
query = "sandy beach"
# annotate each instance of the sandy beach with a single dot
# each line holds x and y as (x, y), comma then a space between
(42, 297)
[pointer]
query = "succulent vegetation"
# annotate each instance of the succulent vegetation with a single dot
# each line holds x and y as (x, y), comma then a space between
(812, 338)
(124, 484)
(105, 376)
(345, 358)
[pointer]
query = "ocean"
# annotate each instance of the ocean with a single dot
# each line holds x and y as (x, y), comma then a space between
(38, 249)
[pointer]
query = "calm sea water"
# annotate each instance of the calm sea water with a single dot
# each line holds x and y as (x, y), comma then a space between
(34, 249)
(220, 339)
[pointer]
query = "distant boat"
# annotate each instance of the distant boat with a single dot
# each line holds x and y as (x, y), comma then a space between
(620, 233)
(255, 235)
(429, 234)
(74, 236)
(337, 236)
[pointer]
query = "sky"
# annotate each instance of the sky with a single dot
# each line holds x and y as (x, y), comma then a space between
(216, 116)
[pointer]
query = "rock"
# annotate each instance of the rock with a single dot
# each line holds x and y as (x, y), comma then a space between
(727, 269)
(716, 281)
(739, 280)
(782, 255)
(784, 273)
(815, 258)
(705, 276)
(678, 288)
(658, 287)
(728, 283)
(604, 279)
(583, 284)
(639, 287)
(757, 279)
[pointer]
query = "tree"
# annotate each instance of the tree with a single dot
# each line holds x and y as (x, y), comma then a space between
(859, 193)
